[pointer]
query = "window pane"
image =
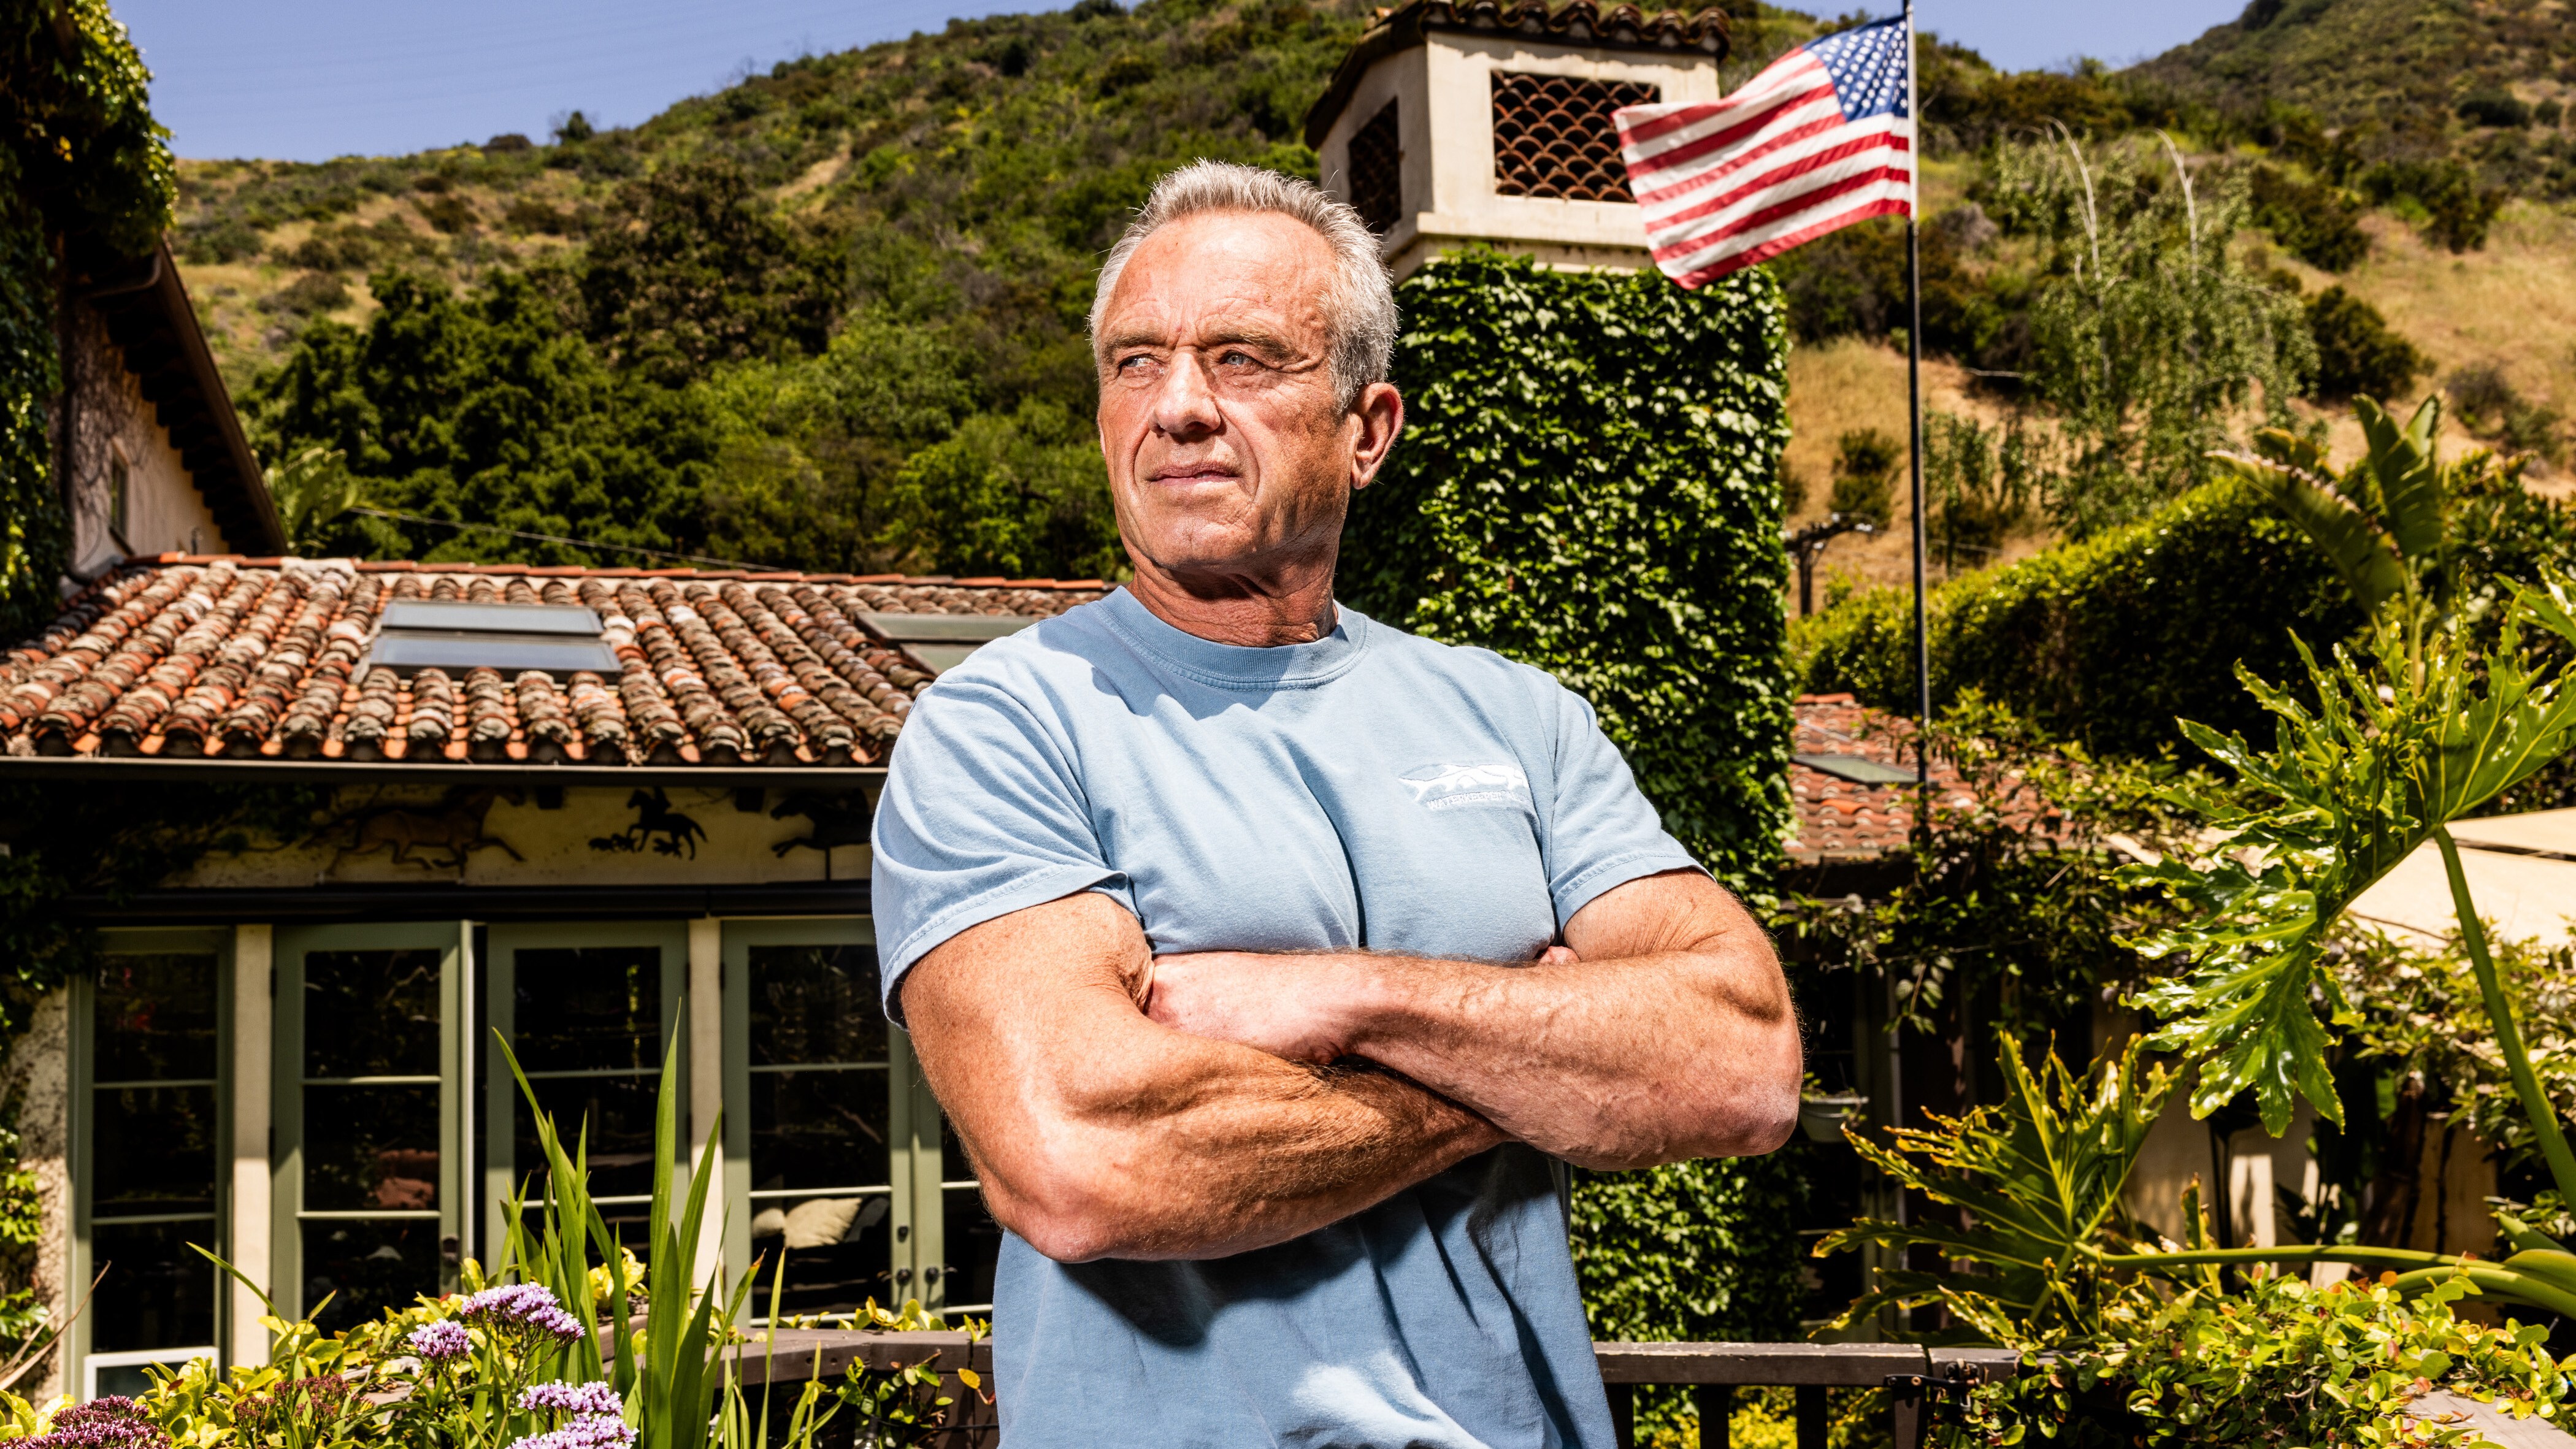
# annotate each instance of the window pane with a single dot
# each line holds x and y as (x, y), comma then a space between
(370, 1147)
(837, 1253)
(818, 1129)
(157, 1293)
(155, 1018)
(973, 1245)
(371, 1013)
(155, 1150)
(618, 1114)
(815, 1004)
(586, 1008)
(370, 1266)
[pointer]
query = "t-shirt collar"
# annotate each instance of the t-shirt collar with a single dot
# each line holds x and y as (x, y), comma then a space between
(1236, 666)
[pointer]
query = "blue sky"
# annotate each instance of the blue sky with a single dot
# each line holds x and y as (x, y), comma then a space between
(307, 80)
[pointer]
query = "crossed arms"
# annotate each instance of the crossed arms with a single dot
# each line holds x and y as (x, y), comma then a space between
(1120, 1106)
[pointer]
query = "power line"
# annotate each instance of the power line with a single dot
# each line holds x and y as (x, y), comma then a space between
(722, 563)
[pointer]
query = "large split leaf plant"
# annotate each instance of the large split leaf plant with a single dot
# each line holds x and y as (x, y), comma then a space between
(2424, 721)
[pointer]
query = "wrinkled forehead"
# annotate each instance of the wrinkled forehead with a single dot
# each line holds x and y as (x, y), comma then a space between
(1223, 276)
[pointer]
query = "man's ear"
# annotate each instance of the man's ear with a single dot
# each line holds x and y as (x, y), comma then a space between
(1380, 414)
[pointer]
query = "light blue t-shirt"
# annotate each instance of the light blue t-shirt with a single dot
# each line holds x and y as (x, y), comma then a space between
(1368, 790)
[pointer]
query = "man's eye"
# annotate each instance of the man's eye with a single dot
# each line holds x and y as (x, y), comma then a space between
(1136, 364)
(1236, 357)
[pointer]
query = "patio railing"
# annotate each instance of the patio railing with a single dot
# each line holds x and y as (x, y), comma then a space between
(1915, 1378)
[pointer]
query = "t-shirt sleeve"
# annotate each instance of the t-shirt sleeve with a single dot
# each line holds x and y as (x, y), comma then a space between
(1602, 831)
(982, 815)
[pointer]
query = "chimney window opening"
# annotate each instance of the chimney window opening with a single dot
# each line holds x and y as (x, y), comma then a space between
(1377, 172)
(1553, 137)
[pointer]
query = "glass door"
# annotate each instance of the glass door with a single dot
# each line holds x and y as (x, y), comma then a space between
(833, 1143)
(149, 1153)
(589, 1010)
(368, 1159)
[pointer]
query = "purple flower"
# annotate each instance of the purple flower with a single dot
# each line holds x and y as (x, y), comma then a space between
(440, 1341)
(590, 1431)
(109, 1423)
(522, 1305)
(594, 1399)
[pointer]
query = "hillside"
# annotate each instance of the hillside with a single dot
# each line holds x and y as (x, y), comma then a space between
(986, 164)
(815, 316)
(2487, 80)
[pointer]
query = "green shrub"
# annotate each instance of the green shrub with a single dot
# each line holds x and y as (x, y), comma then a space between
(2358, 355)
(2108, 640)
(2443, 197)
(2490, 406)
(2312, 222)
(2499, 108)
(1589, 482)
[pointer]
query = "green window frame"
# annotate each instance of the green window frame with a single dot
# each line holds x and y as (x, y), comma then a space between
(306, 1136)
(914, 1188)
(550, 1051)
(92, 1368)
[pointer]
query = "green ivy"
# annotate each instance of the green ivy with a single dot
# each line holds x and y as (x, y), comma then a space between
(1588, 482)
(1702, 1251)
(81, 160)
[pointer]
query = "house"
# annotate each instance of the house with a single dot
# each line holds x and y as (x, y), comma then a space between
(592, 815)
(1457, 122)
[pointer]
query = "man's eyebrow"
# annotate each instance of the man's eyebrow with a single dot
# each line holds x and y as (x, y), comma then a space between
(1231, 334)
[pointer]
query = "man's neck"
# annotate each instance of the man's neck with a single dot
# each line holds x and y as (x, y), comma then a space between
(1250, 611)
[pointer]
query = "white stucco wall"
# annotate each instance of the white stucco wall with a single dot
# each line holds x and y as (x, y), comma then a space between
(164, 510)
(1443, 91)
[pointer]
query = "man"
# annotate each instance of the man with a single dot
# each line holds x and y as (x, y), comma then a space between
(1264, 956)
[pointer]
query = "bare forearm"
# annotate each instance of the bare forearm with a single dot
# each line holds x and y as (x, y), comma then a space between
(1620, 1063)
(1098, 1133)
(1661, 1030)
(1241, 1157)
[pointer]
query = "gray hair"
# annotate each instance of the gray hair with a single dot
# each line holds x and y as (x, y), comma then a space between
(1359, 305)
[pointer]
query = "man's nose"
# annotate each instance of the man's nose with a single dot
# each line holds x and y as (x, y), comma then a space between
(1185, 408)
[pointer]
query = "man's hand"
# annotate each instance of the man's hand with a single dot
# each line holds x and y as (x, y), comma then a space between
(1661, 1030)
(1285, 1005)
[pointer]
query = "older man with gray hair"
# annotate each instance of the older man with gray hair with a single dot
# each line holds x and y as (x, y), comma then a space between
(1271, 962)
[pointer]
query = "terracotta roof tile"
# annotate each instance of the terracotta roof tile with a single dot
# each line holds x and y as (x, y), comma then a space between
(228, 657)
(1839, 819)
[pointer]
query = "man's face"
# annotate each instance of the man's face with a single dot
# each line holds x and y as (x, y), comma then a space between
(1228, 453)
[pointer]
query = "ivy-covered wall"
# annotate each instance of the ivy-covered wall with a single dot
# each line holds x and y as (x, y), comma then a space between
(85, 172)
(1587, 482)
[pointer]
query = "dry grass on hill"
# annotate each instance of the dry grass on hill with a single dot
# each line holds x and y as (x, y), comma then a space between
(2511, 304)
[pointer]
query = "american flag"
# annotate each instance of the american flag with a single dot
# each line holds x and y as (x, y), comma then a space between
(1822, 138)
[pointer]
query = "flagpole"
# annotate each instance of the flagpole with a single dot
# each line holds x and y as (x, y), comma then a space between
(1914, 429)
(1922, 634)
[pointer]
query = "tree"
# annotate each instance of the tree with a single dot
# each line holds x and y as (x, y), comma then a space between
(487, 410)
(691, 266)
(2148, 338)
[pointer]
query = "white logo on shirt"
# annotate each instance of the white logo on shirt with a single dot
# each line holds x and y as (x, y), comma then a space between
(1460, 787)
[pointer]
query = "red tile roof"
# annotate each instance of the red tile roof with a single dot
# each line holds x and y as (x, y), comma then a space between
(249, 658)
(1844, 820)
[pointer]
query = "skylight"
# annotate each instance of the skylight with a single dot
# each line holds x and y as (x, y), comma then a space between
(455, 635)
